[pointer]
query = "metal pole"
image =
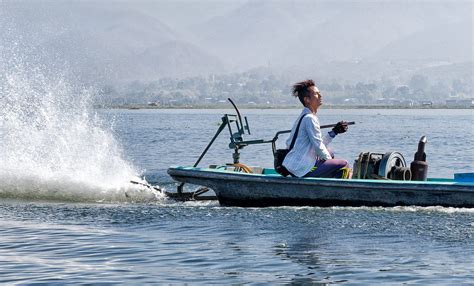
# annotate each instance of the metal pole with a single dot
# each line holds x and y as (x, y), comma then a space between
(219, 130)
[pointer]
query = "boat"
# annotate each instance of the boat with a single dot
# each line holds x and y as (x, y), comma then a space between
(236, 188)
(379, 180)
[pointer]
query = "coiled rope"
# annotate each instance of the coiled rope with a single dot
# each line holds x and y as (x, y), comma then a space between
(239, 167)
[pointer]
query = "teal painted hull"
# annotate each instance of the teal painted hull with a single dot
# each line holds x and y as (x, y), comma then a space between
(270, 189)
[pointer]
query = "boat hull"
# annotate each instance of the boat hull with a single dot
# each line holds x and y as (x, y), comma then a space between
(253, 190)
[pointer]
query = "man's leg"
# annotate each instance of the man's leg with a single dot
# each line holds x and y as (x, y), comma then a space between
(333, 168)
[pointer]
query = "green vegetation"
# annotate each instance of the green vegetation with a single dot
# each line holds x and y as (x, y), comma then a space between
(258, 89)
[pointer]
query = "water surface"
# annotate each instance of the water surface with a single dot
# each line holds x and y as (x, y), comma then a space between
(203, 243)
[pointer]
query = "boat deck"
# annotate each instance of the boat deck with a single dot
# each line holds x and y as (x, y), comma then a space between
(459, 179)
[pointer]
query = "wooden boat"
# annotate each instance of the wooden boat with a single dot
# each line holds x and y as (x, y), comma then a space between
(382, 180)
(271, 189)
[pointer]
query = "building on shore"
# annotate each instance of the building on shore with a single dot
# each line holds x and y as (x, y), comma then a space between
(467, 103)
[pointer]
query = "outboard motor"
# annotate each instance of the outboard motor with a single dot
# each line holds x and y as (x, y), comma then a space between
(419, 167)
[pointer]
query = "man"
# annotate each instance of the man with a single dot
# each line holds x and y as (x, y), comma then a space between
(309, 156)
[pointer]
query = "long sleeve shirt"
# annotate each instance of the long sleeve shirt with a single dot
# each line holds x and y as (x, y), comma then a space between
(309, 146)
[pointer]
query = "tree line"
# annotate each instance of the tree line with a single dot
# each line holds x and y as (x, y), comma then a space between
(253, 88)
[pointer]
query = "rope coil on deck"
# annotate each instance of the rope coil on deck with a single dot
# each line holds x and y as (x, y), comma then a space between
(242, 167)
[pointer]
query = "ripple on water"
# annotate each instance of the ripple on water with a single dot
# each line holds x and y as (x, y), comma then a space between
(175, 242)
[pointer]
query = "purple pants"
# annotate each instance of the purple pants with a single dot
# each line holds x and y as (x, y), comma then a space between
(328, 169)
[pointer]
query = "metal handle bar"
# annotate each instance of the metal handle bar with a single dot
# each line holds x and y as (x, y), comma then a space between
(322, 127)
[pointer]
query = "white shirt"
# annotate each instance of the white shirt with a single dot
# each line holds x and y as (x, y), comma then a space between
(309, 145)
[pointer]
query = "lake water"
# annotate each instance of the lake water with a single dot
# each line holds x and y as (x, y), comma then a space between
(58, 230)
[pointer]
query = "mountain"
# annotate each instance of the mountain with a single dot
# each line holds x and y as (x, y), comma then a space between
(184, 15)
(102, 41)
(281, 34)
(116, 41)
(440, 43)
(362, 29)
(252, 34)
(180, 59)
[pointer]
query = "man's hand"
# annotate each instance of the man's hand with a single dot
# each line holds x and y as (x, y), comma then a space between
(340, 127)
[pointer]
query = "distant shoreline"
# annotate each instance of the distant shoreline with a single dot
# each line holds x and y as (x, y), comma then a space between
(252, 106)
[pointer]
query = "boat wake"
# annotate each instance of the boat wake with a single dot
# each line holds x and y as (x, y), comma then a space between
(396, 209)
(60, 189)
(53, 144)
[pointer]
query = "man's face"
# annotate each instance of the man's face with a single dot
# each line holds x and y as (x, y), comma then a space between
(314, 100)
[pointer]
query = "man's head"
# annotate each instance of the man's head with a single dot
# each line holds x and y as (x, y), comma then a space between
(308, 94)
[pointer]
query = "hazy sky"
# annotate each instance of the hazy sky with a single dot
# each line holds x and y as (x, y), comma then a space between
(125, 40)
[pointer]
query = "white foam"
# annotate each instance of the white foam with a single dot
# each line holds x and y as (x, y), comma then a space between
(420, 209)
(54, 146)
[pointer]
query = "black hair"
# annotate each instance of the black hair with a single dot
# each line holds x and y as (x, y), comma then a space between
(302, 89)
